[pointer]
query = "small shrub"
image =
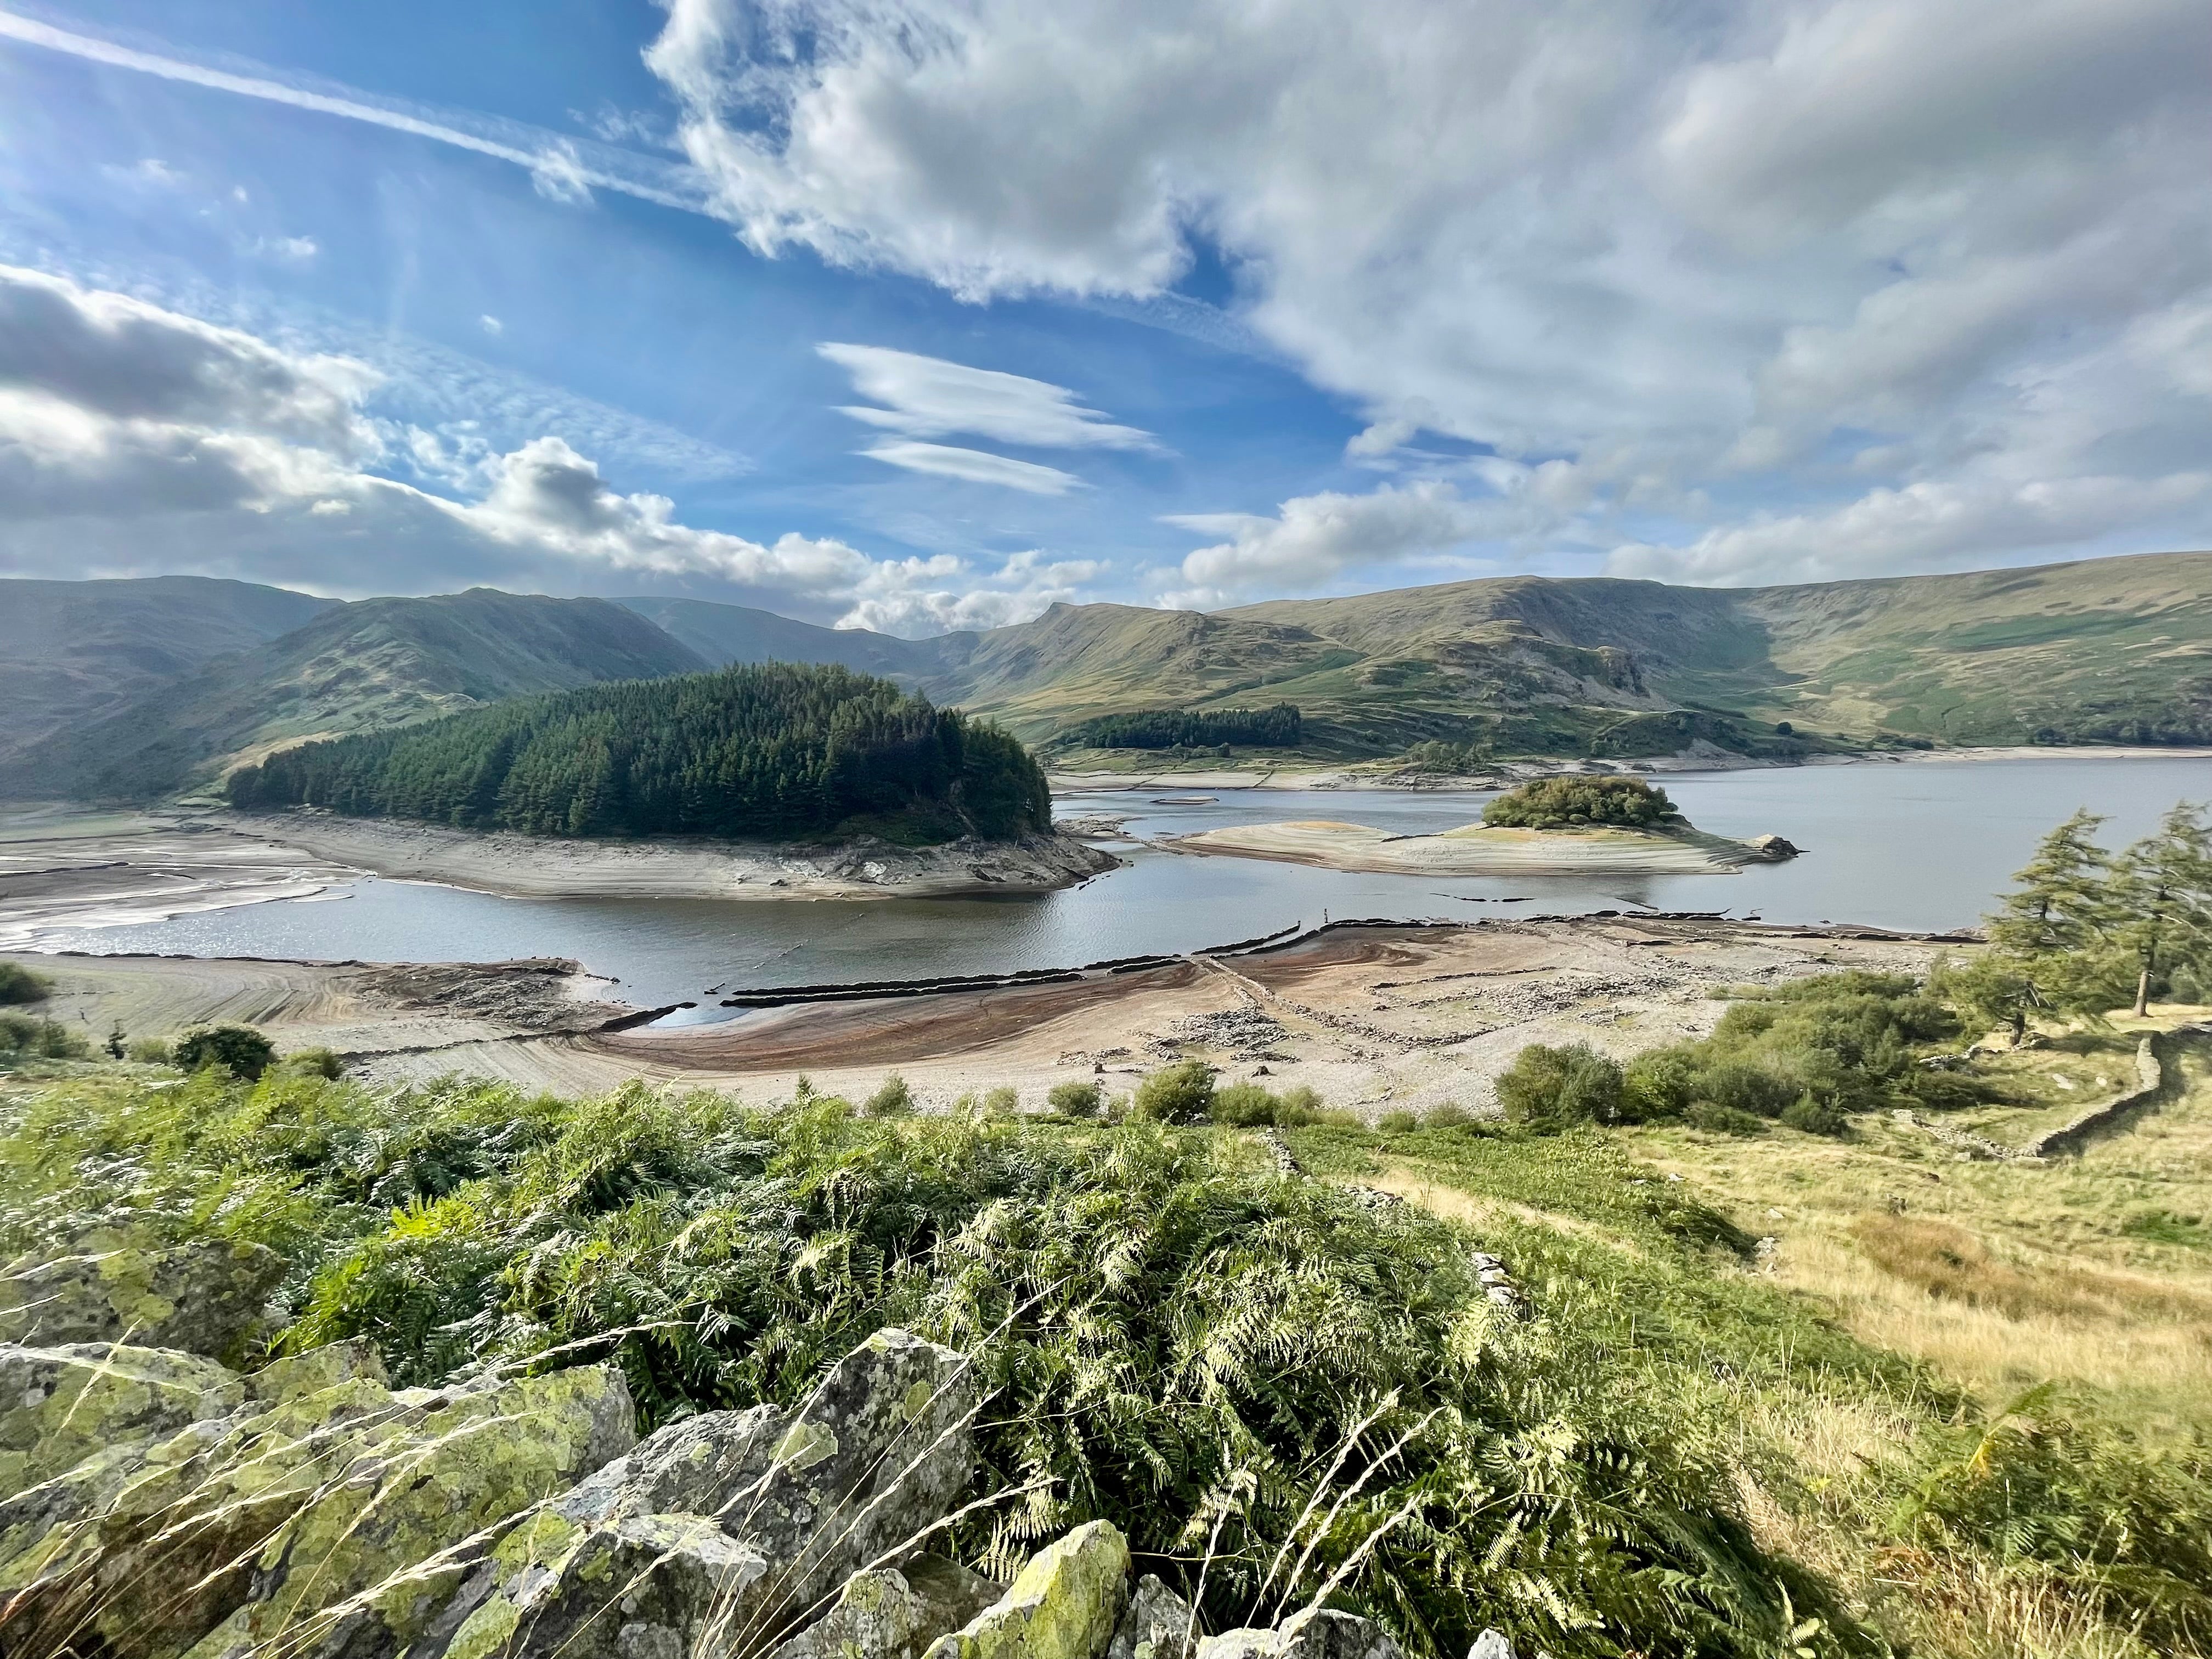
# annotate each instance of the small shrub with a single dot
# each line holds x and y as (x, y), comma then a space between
(1547, 1088)
(1076, 1099)
(1002, 1102)
(151, 1051)
(239, 1049)
(1815, 1117)
(1556, 802)
(1244, 1105)
(1744, 1086)
(1723, 1119)
(46, 1039)
(1176, 1094)
(1658, 1086)
(1448, 1117)
(18, 984)
(313, 1062)
(892, 1098)
(1399, 1122)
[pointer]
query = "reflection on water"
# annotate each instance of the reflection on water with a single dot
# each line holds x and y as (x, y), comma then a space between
(1919, 845)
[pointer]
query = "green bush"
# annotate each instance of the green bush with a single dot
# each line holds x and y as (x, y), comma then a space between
(314, 1062)
(1723, 1119)
(1815, 1117)
(1401, 1122)
(1002, 1102)
(46, 1039)
(1075, 1099)
(239, 1049)
(1547, 1088)
(1243, 1105)
(150, 1051)
(1449, 1117)
(1658, 1085)
(892, 1098)
(19, 984)
(1175, 1094)
(1560, 803)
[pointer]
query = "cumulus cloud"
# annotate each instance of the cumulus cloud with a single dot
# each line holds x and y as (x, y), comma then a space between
(1690, 251)
(135, 439)
(1312, 538)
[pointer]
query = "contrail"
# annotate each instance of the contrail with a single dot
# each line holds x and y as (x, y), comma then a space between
(557, 163)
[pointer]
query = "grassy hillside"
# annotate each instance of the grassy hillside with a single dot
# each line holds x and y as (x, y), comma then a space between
(2108, 650)
(724, 635)
(377, 663)
(776, 751)
(74, 652)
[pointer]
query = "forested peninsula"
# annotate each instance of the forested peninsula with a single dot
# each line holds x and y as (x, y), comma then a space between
(771, 752)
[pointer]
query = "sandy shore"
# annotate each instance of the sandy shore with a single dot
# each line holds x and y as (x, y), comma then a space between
(1374, 1018)
(532, 867)
(1477, 850)
(1701, 758)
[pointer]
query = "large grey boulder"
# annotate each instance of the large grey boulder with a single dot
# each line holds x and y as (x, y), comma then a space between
(895, 1613)
(1064, 1604)
(729, 1529)
(208, 1298)
(1316, 1634)
(1158, 1625)
(325, 1508)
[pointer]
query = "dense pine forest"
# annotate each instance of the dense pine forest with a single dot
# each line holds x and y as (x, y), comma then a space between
(772, 751)
(1278, 728)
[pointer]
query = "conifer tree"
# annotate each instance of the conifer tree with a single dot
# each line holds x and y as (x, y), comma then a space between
(2161, 899)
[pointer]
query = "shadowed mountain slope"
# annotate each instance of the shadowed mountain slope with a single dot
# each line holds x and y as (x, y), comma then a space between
(726, 635)
(73, 652)
(376, 663)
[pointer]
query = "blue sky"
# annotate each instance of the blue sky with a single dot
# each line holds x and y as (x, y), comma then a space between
(921, 314)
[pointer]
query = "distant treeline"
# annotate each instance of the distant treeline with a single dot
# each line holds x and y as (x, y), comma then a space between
(1279, 727)
(772, 751)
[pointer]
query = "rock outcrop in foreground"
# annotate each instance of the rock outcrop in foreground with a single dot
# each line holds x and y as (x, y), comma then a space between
(155, 1503)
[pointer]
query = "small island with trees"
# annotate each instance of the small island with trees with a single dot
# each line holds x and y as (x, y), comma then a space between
(1601, 824)
(773, 780)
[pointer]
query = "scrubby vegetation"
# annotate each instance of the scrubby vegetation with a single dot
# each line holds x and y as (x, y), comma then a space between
(1278, 728)
(26, 1035)
(772, 751)
(1268, 1379)
(1573, 802)
(18, 985)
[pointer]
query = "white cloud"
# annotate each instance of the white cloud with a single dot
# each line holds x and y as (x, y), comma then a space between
(290, 250)
(975, 466)
(929, 398)
(491, 324)
(134, 440)
(1313, 538)
(1690, 252)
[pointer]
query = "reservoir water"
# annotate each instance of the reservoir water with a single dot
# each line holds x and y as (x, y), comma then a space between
(1921, 844)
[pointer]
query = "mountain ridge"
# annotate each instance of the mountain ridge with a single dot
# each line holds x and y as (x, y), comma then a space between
(2106, 651)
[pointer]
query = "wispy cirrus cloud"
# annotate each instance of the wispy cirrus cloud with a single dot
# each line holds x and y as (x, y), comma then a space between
(973, 466)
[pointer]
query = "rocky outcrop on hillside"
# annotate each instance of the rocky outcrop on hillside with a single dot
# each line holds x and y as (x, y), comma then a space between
(157, 1505)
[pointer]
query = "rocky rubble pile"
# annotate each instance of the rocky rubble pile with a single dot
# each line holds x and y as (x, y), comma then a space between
(157, 1504)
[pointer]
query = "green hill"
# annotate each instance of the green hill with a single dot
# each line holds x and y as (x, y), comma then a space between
(2105, 651)
(73, 652)
(376, 663)
(775, 751)
(728, 635)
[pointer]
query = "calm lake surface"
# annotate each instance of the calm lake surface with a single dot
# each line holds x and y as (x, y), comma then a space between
(1923, 844)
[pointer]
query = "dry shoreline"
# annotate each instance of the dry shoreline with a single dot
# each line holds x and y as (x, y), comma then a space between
(1702, 757)
(539, 867)
(1477, 850)
(1373, 1016)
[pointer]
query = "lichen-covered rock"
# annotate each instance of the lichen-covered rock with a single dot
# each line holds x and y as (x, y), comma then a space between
(1316, 1634)
(1158, 1625)
(291, 1375)
(342, 1517)
(60, 1406)
(732, 1527)
(894, 1613)
(1491, 1645)
(1065, 1604)
(206, 1297)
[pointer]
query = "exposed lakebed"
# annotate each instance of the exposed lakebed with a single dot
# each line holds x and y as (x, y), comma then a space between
(1920, 845)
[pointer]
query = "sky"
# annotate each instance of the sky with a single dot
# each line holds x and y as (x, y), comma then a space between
(924, 314)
